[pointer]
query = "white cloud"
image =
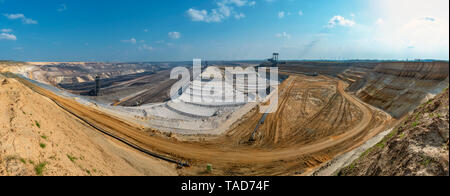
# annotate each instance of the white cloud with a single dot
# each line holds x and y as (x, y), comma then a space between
(6, 30)
(239, 16)
(29, 21)
(281, 14)
(145, 47)
(240, 3)
(379, 21)
(174, 35)
(420, 27)
(8, 36)
(146, 30)
(132, 41)
(339, 20)
(24, 19)
(204, 16)
(224, 9)
(62, 8)
(300, 13)
(425, 33)
(14, 16)
(283, 35)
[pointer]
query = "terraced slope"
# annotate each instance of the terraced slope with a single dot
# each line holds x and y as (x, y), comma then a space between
(231, 158)
(398, 87)
(317, 119)
(417, 147)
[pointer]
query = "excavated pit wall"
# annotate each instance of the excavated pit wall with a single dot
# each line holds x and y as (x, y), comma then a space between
(398, 87)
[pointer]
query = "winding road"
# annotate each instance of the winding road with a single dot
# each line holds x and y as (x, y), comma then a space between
(197, 152)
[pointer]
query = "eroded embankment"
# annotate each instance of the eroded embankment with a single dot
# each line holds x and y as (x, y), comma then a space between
(419, 146)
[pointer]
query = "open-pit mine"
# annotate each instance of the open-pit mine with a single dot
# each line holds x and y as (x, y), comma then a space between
(324, 110)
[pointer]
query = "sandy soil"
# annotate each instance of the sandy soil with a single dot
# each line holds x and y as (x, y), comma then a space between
(283, 151)
(332, 167)
(418, 146)
(39, 138)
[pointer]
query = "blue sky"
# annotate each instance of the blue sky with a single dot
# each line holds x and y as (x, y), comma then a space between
(151, 30)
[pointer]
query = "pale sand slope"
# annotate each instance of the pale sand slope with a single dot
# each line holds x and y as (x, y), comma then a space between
(71, 147)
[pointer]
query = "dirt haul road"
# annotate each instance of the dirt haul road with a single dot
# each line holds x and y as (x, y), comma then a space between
(230, 154)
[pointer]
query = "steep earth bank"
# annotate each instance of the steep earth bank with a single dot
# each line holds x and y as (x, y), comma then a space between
(39, 138)
(419, 146)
